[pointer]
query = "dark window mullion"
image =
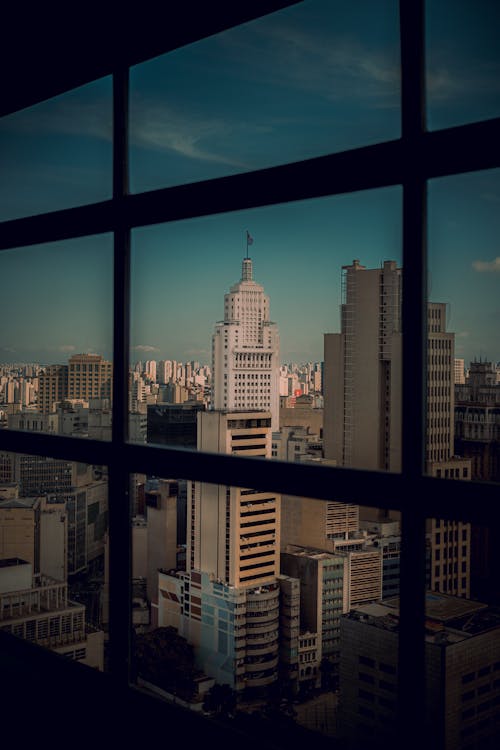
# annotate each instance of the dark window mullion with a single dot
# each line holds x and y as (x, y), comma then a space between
(120, 553)
(411, 697)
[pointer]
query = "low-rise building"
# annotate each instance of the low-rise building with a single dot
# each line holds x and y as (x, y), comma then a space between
(37, 609)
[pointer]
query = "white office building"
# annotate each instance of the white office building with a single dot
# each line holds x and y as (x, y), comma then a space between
(245, 350)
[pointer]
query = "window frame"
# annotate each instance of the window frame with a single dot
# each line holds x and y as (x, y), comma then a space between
(409, 161)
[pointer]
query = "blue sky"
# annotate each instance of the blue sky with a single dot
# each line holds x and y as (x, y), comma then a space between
(316, 78)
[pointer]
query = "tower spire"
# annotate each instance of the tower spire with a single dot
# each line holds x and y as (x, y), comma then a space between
(247, 269)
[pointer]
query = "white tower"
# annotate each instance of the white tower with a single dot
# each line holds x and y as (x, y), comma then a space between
(245, 350)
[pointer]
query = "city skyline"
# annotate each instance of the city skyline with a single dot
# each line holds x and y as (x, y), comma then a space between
(298, 251)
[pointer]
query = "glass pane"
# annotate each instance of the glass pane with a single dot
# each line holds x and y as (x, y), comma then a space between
(53, 539)
(462, 638)
(463, 61)
(57, 154)
(205, 338)
(304, 81)
(244, 601)
(463, 389)
(56, 345)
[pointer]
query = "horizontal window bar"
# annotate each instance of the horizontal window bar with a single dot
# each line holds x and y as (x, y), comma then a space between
(469, 501)
(461, 149)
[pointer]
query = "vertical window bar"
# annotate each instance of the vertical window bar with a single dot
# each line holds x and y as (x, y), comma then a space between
(412, 593)
(120, 566)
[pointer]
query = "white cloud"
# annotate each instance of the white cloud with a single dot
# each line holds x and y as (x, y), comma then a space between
(441, 85)
(66, 348)
(487, 266)
(165, 129)
(339, 67)
(446, 81)
(145, 348)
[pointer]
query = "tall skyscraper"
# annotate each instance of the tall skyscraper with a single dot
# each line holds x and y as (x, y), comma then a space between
(234, 532)
(363, 368)
(362, 383)
(245, 350)
(440, 387)
(226, 603)
(362, 409)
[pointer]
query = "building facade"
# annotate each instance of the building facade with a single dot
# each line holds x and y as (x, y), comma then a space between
(462, 663)
(37, 609)
(227, 601)
(245, 350)
(363, 390)
(362, 371)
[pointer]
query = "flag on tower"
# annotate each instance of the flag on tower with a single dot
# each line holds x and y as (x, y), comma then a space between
(249, 239)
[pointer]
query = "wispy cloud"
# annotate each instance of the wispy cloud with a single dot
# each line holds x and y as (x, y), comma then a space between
(66, 348)
(441, 85)
(463, 334)
(487, 266)
(145, 348)
(164, 128)
(64, 117)
(332, 66)
(450, 79)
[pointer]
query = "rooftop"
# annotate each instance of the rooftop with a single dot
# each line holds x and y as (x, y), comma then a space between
(19, 502)
(450, 619)
(443, 607)
(11, 561)
(317, 554)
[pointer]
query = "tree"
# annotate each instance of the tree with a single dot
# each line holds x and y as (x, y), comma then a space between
(166, 659)
(220, 699)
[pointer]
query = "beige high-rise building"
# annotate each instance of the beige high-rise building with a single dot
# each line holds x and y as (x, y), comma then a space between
(89, 376)
(234, 533)
(362, 372)
(363, 366)
(450, 540)
(440, 386)
(227, 602)
(52, 387)
(86, 376)
(362, 409)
